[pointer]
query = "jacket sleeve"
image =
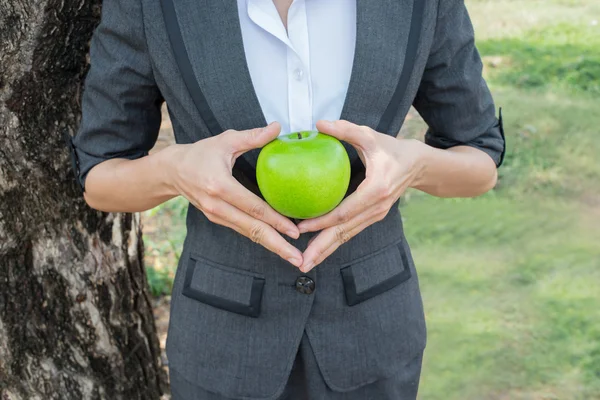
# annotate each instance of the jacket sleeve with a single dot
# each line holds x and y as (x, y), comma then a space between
(121, 103)
(453, 97)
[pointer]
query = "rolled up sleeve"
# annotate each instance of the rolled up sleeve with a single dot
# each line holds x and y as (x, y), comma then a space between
(453, 98)
(120, 103)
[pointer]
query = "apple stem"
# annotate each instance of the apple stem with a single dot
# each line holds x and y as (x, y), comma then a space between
(299, 135)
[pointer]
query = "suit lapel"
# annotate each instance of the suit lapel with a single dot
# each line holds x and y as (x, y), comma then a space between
(212, 38)
(382, 37)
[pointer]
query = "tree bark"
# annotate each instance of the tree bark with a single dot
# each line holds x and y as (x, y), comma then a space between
(75, 317)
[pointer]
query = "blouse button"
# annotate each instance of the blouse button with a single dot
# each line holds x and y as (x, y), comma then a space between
(298, 74)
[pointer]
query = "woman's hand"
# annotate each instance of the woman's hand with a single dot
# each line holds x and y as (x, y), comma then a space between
(392, 166)
(201, 172)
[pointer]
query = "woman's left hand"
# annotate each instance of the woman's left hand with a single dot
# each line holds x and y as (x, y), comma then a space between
(392, 165)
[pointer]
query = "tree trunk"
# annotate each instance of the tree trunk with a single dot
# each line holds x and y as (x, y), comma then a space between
(75, 317)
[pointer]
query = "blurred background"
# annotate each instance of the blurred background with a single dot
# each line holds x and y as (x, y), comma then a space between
(510, 280)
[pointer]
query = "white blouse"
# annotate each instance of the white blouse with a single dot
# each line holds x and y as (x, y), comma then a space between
(300, 75)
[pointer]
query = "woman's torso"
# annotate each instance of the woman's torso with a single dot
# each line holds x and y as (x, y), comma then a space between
(237, 310)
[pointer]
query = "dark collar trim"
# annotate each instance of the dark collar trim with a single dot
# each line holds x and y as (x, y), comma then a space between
(185, 67)
(414, 37)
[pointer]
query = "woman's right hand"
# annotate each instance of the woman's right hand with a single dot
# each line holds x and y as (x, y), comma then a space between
(202, 173)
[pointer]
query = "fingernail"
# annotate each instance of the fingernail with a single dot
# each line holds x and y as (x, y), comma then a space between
(302, 229)
(328, 124)
(307, 267)
(292, 234)
(295, 261)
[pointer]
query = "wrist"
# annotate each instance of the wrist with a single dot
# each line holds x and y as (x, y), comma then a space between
(168, 161)
(422, 158)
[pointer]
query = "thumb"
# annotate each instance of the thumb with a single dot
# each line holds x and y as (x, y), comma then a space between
(358, 136)
(240, 142)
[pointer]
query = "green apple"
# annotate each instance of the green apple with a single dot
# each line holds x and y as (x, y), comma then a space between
(303, 174)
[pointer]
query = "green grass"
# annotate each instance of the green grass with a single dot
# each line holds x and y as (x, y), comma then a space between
(514, 18)
(511, 280)
(563, 56)
(553, 143)
(164, 233)
(511, 297)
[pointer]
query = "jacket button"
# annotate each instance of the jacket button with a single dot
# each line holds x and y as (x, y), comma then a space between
(305, 285)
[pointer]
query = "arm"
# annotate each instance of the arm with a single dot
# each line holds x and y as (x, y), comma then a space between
(122, 185)
(120, 116)
(463, 146)
(120, 123)
(460, 171)
(465, 138)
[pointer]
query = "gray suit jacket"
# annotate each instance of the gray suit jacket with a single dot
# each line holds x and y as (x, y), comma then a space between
(238, 312)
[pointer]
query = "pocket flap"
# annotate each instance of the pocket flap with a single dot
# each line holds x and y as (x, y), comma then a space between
(375, 273)
(223, 287)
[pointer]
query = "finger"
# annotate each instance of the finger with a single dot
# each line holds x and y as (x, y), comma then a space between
(222, 213)
(257, 231)
(358, 202)
(331, 238)
(239, 142)
(317, 249)
(327, 242)
(358, 136)
(236, 194)
(294, 260)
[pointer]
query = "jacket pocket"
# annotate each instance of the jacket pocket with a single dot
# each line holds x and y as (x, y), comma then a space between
(223, 287)
(375, 273)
